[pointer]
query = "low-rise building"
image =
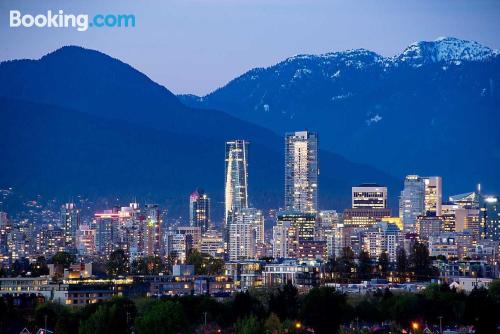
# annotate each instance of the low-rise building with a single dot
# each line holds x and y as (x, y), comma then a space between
(305, 274)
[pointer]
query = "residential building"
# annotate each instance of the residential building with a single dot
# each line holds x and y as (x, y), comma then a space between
(301, 171)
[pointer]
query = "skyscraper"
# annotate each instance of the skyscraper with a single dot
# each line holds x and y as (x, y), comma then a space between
(245, 231)
(301, 171)
(297, 227)
(412, 202)
(106, 225)
(152, 232)
(433, 195)
(199, 210)
(490, 217)
(236, 192)
(70, 221)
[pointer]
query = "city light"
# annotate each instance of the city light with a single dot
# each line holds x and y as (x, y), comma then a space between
(415, 326)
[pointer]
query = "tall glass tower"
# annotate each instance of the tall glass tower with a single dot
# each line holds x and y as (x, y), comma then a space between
(236, 191)
(199, 210)
(301, 171)
(412, 202)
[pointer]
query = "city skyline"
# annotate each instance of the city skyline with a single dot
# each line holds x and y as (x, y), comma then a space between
(253, 166)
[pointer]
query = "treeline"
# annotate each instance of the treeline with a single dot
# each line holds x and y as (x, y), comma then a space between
(273, 311)
(349, 267)
(117, 264)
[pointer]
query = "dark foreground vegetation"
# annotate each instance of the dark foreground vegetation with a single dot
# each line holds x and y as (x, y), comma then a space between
(279, 310)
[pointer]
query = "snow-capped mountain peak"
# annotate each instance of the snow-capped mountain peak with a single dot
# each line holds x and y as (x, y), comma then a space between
(445, 49)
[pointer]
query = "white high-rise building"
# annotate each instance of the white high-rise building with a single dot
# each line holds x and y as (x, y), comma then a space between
(301, 171)
(382, 237)
(236, 192)
(245, 230)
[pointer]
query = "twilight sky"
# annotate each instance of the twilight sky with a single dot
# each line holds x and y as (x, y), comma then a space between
(195, 46)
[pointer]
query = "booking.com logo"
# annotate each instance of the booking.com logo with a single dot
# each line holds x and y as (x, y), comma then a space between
(80, 22)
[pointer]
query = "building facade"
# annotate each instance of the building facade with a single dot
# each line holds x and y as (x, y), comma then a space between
(236, 178)
(199, 210)
(412, 202)
(301, 171)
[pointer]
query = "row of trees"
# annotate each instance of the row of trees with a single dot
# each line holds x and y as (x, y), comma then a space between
(348, 267)
(204, 264)
(21, 267)
(117, 264)
(274, 311)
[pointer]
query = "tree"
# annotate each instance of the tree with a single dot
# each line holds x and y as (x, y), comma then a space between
(20, 267)
(324, 309)
(345, 263)
(365, 265)
(284, 302)
(420, 261)
(245, 304)
(330, 264)
(151, 265)
(494, 291)
(205, 264)
(39, 267)
(115, 316)
(401, 262)
(383, 264)
(63, 258)
(163, 317)
(248, 325)
(273, 325)
(481, 311)
(117, 264)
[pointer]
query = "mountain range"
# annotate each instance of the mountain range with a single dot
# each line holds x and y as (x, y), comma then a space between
(433, 109)
(77, 121)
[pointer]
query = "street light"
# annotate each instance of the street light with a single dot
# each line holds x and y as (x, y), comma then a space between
(298, 325)
(414, 325)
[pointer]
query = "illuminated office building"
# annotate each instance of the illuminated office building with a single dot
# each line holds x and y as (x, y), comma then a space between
(369, 195)
(325, 226)
(193, 236)
(301, 171)
(212, 243)
(467, 200)
(412, 202)
(236, 178)
(428, 226)
(199, 210)
(360, 217)
(449, 213)
(433, 191)
(299, 228)
(490, 217)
